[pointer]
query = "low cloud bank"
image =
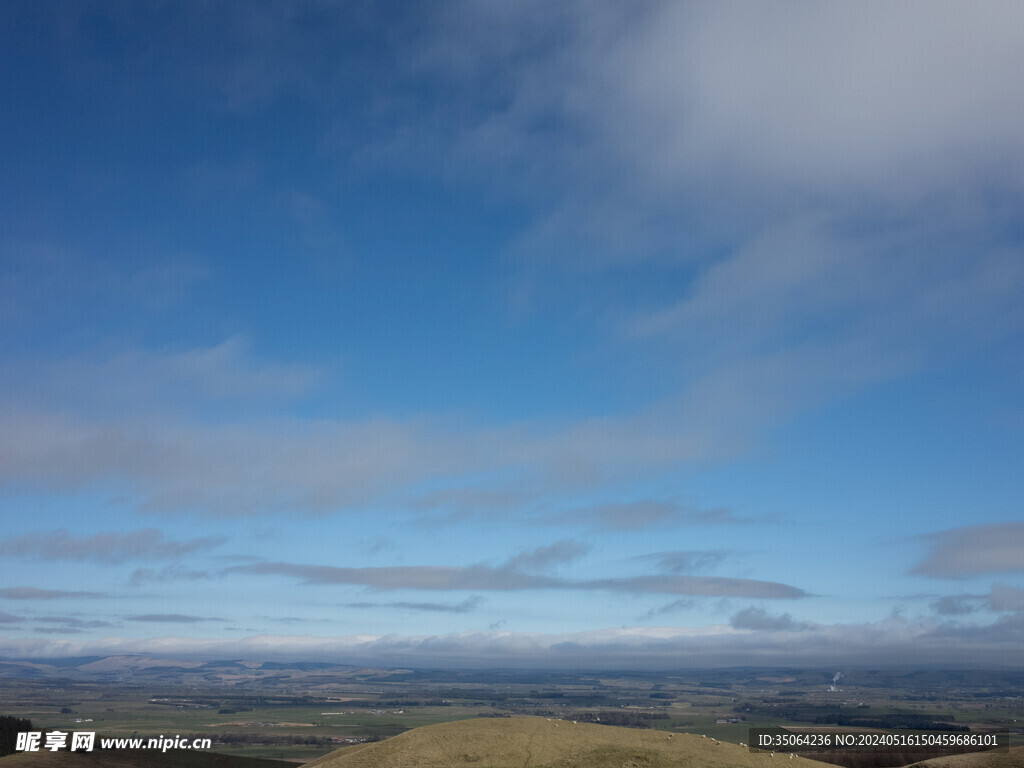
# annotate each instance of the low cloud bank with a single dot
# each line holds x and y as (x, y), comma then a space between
(892, 642)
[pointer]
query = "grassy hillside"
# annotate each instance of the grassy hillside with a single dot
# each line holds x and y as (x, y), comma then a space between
(135, 758)
(535, 742)
(1012, 759)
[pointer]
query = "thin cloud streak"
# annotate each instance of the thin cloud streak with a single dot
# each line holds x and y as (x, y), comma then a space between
(487, 578)
(469, 605)
(641, 515)
(172, 618)
(35, 593)
(684, 562)
(110, 547)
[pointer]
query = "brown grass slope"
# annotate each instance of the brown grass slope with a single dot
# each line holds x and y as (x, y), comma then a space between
(1012, 759)
(136, 758)
(535, 742)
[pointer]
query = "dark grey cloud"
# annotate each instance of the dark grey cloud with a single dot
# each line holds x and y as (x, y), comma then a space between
(34, 593)
(1005, 629)
(108, 547)
(1006, 598)
(7, 618)
(487, 578)
(759, 619)
(956, 605)
(468, 605)
(974, 550)
(172, 618)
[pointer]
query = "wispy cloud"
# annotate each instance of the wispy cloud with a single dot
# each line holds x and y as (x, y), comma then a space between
(71, 621)
(685, 561)
(639, 515)
(682, 604)
(974, 550)
(110, 547)
(59, 630)
(34, 593)
(142, 576)
(423, 577)
(489, 578)
(172, 618)
(8, 618)
(49, 281)
(545, 557)
(320, 465)
(705, 586)
(712, 109)
(107, 382)
(468, 605)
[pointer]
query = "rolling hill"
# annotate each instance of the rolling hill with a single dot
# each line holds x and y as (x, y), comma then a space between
(535, 742)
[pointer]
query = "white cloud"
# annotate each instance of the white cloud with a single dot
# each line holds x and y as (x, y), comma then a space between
(105, 381)
(319, 465)
(640, 127)
(831, 99)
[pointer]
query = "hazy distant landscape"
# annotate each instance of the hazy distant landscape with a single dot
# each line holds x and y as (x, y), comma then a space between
(303, 711)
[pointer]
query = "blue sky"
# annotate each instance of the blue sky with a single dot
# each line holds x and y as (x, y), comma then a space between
(640, 334)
